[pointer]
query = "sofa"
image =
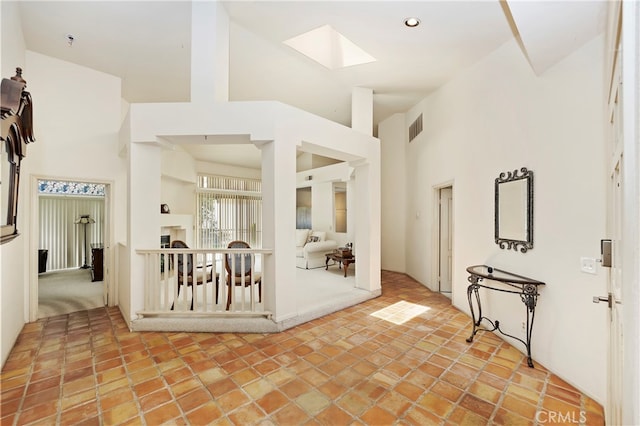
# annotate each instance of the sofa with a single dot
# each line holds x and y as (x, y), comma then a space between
(311, 247)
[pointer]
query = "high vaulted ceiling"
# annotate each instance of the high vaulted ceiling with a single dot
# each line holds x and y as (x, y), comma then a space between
(147, 44)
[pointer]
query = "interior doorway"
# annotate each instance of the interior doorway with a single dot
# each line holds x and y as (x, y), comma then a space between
(445, 240)
(71, 232)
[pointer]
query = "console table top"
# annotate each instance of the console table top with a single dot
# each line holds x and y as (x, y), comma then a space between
(500, 275)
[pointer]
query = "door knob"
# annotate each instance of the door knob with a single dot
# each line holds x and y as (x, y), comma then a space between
(598, 299)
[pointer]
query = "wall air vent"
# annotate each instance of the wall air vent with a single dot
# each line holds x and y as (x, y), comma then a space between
(415, 128)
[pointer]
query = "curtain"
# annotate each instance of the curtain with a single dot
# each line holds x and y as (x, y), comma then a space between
(229, 209)
(223, 218)
(61, 237)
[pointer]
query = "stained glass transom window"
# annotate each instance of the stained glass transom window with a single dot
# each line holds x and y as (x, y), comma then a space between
(57, 187)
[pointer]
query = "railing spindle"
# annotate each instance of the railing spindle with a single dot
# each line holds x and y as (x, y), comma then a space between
(162, 273)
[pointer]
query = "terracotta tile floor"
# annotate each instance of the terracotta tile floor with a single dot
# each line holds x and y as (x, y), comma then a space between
(346, 368)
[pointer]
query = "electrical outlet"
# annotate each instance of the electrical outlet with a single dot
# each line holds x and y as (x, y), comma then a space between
(588, 265)
(524, 327)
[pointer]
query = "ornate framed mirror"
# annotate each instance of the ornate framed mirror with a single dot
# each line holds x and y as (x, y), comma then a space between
(514, 210)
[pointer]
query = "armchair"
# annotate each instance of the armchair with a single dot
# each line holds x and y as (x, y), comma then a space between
(238, 277)
(185, 272)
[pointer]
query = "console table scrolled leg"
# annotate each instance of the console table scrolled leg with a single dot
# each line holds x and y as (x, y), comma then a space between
(477, 293)
(530, 316)
(470, 290)
(529, 297)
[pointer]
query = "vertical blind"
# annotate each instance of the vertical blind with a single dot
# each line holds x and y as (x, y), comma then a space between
(61, 237)
(228, 209)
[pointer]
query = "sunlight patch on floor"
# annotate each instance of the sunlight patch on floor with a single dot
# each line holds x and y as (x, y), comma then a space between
(400, 312)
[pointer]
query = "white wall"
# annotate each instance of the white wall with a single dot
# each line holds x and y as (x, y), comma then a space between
(178, 184)
(495, 117)
(178, 164)
(76, 124)
(12, 254)
(179, 195)
(227, 170)
(13, 45)
(393, 174)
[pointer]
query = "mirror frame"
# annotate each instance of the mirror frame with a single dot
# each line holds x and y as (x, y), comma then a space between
(506, 243)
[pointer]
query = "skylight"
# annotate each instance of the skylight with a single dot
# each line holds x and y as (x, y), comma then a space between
(330, 48)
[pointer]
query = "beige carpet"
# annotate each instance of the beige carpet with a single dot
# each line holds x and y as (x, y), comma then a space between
(63, 292)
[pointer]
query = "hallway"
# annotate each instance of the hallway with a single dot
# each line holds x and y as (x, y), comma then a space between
(347, 367)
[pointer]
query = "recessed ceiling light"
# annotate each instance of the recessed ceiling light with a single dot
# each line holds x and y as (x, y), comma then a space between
(412, 22)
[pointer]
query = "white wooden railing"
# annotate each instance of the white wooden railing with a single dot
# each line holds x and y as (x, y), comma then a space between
(166, 269)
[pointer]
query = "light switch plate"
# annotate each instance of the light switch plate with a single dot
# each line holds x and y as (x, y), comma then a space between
(588, 265)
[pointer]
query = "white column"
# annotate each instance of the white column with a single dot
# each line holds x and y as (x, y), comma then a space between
(367, 223)
(144, 216)
(209, 52)
(278, 225)
(362, 110)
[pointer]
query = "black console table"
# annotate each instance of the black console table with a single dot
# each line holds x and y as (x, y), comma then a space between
(498, 280)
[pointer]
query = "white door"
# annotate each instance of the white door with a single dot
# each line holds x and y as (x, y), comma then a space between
(623, 215)
(614, 408)
(445, 249)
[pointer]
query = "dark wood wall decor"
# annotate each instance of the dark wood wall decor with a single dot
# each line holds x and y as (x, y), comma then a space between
(16, 110)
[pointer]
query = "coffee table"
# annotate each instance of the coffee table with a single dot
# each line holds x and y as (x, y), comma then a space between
(344, 259)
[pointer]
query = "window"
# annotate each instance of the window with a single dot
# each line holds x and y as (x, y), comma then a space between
(228, 209)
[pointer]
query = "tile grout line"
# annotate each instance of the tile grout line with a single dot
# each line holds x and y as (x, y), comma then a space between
(136, 398)
(463, 391)
(18, 412)
(113, 331)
